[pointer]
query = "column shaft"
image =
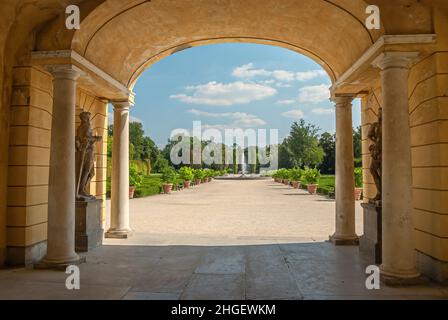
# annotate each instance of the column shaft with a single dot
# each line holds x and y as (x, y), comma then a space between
(398, 259)
(345, 233)
(61, 191)
(120, 227)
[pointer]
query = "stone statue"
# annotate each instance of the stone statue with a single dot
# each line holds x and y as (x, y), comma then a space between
(375, 135)
(85, 168)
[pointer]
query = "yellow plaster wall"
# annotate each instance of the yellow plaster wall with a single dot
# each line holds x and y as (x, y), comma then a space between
(29, 154)
(428, 107)
(428, 110)
(28, 167)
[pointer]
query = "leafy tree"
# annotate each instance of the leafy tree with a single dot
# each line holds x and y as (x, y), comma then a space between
(149, 150)
(160, 164)
(328, 143)
(303, 144)
(136, 135)
(110, 140)
(284, 156)
(141, 147)
(132, 151)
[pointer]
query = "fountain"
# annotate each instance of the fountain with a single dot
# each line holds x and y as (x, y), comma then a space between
(243, 165)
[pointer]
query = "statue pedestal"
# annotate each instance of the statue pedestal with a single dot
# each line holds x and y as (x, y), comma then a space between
(370, 242)
(88, 227)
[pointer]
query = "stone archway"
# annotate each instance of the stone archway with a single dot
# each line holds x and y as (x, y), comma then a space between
(118, 40)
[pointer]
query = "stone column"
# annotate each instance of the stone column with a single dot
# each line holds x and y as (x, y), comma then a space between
(61, 190)
(119, 225)
(345, 233)
(398, 258)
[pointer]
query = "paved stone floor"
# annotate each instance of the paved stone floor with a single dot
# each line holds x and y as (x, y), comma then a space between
(222, 240)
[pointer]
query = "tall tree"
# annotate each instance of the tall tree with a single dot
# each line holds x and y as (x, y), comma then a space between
(328, 143)
(136, 136)
(303, 144)
(284, 155)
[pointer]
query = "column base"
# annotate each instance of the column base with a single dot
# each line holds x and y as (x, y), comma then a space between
(118, 234)
(344, 241)
(403, 282)
(397, 279)
(55, 265)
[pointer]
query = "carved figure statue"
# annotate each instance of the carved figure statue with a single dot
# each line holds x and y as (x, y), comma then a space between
(85, 168)
(375, 135)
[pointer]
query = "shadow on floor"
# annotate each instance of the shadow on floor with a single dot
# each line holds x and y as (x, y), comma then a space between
(315, 270)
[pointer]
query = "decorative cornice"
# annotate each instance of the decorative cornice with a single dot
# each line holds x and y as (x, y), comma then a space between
(76, 57)
(376, 48)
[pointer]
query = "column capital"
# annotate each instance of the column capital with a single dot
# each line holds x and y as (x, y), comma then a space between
(343, 101)
(64, 71)
(387, 60)
(126, 104)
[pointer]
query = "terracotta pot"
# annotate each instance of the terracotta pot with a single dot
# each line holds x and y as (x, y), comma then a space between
(296, 184)
(286, 182)
(358, 193)
(131, 192)
(197, 182)
(186, 184)
(167, 188)
(312, 188)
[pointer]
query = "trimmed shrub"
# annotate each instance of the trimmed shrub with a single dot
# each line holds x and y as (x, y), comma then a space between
(312, 176)
(169, 175)
(135, 176)
(296, 174)
(186, 173)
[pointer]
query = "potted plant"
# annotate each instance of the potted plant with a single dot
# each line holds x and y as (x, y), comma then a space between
(296, 175)
(312, 177)
(286, 175)
(358, 183)
(207, 175)
(168, 179)
(135, 180)
(186, 174)
(198, 176)
(276, 176)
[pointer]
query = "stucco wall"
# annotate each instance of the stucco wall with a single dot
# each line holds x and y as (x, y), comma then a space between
(29, 149)
(26, 113)
(428, 110)
(29, 154)
(428, 107)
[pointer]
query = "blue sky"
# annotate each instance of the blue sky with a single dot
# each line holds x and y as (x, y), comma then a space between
(233, 85)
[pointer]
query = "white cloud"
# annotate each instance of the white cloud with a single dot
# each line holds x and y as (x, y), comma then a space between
(286, 102)
(238, 119)
(314, 94)
(309, 75)
(283, 75)
(225, 94)
(323, 111)
(283, 85)
(293, 114)
(247, 71)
